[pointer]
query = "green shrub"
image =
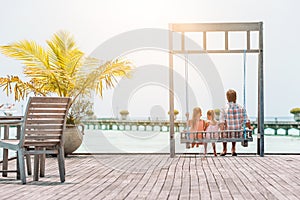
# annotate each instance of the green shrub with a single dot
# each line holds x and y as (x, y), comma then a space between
(176, 112)
(124, 112)
(217, 111)
(295, 110)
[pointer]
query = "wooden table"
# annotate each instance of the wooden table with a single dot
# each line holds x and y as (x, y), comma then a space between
(7, 122)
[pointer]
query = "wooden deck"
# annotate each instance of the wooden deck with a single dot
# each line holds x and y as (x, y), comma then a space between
(149, 176)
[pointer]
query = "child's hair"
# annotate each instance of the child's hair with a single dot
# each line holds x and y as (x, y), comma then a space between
(231, 96)
(212, 114)
(196, 111)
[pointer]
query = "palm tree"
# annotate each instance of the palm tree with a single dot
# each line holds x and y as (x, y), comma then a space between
(60, 68)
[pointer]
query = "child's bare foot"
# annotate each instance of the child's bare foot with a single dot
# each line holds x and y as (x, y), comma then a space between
(188, 146)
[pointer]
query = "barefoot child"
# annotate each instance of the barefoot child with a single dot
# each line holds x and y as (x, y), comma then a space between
(212, 125)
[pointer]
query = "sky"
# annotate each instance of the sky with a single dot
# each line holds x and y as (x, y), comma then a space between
(95, 22)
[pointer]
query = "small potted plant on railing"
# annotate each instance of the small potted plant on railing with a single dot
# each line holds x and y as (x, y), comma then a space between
(124, 114)
(217, 114)
(8, 109)
(296, 113)
(176, 112)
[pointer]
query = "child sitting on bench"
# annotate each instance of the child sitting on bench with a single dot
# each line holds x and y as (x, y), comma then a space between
(211, 125)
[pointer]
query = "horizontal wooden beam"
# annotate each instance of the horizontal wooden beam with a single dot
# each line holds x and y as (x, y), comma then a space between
(214, 27)
(215, 51)
(39, 152)
(9, 171)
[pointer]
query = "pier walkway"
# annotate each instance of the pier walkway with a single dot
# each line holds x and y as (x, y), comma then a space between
(157, 176)
(163, 125)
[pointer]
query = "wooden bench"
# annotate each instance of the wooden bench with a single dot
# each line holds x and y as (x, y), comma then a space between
(243, 136)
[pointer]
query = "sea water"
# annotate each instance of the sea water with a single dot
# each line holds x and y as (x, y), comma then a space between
(12, 134)
(98, 141)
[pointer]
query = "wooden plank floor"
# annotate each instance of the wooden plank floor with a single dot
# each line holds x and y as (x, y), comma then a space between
(149, 176)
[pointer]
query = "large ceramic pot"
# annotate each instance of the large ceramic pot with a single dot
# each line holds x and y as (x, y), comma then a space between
(124, 116)
(73, 137)
(297, 117)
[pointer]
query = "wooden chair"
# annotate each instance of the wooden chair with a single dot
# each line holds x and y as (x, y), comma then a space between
(41, 133)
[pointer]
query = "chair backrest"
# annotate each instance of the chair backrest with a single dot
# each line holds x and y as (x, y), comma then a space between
(44, 121)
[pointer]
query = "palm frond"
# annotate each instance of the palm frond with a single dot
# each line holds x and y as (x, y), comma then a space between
(13, 84)
(56, 58)
(108, 73)
(29, 52)
(75, 62)
(64, 40)
(61, 69)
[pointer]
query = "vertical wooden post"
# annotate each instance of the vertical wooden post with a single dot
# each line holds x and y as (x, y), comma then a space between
(260, 140)
(248, 40)
(171, 94)
(204, 40)
(5, 151)
(18, 137)
(226, 40)
(182, 42)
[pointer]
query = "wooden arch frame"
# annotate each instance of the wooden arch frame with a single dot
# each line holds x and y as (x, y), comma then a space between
(226, 28)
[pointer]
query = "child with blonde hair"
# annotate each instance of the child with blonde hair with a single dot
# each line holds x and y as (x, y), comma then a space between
(211, 126)
(196, 124)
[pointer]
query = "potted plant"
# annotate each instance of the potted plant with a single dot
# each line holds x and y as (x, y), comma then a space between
(296, 113)
(176, 112)
(73, 136)
(60, 69)
(217, 114)
(124, 114)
